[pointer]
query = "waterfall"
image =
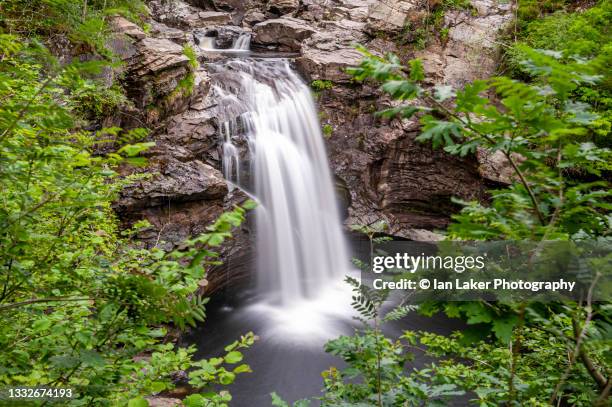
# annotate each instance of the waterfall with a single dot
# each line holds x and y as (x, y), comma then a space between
(231, 156)
(207, 43)
(243, 42)
(300, 245)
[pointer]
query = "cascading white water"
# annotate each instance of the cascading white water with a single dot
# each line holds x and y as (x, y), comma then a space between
(231, 156)
(243, 42)
(300, 246)
(207, 43)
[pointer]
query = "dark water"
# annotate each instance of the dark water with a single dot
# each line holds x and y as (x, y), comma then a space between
(291, 365)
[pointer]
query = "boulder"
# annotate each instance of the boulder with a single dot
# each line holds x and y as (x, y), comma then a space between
(195, 130)
(282, 7)
(173, 181)
(252, 17)
(154, 71)
(328, 65)
(286, 33)
(328, 53)
(177, 13)
(156, 55)
(160, 30)
(124, 26)
(389, 16)
(206, 18)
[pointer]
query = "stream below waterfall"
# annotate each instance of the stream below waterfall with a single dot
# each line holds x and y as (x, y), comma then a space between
(288, 363)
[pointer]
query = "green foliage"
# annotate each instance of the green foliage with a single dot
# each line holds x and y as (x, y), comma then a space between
(529, 10)
(327, 130)
(184, 87)
(191, 54)
(431, 24)
(186, 84)
(84, 23)
(559, 192)
(321, 85)
(583, 37)
(81, 306)
(484, 369)
(93, 101)
(539, 122)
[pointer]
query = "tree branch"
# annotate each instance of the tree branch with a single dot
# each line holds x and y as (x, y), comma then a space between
(507, 154)
(579, 338)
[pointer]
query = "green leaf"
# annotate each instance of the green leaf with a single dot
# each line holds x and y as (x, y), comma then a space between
(401, 89)
(249, 204)
(138, 402)
(226, 378)
(503, 327)
(417, 72)
(242, 369)
(233, 357)
(132, 150)
(194, 400)
(277, 401)
(439, 132)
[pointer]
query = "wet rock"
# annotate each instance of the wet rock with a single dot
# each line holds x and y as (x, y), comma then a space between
(231, 5)
(213, 17)
(157, 55)
(195, 130)
(224, 36)
(286, 33)
(388, 174)
(154, 71)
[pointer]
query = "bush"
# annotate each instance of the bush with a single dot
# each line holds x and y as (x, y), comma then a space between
(78, 300)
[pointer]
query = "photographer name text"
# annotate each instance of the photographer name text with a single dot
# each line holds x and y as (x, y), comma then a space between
(499, 284)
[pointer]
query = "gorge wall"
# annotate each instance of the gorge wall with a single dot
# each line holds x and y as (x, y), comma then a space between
(381, 172)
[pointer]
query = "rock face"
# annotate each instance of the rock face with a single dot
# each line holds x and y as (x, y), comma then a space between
(174, 180)
(471, 50)
(283, 6)
(389, 16)
(381, 171)
(182, 15)
(327, 54)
